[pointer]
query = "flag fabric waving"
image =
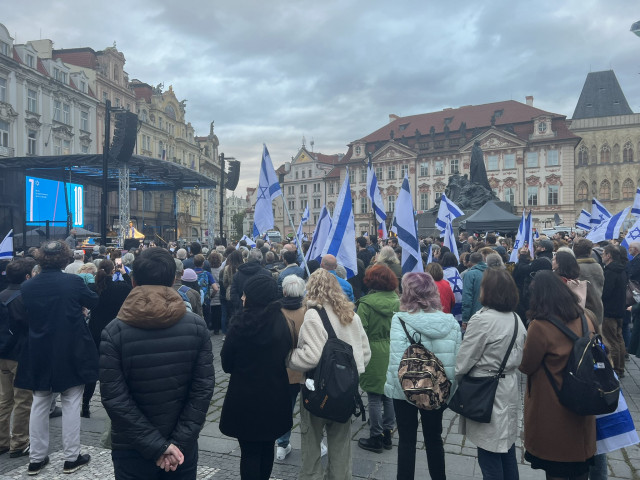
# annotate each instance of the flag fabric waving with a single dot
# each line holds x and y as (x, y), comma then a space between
(583, 220)
(6, 247)
(250, 243)
(615, 430)
(633, 235)
(341, 241)
(609, 228)
(635, 210)
(405, 224)
(598, 213)
(450, 240)
(529, 233)
(268, 190)
(452, 276)
(303, 220)
(430, 256)
(446, 213)
(521, 238)
(319, 235)
(373, 192)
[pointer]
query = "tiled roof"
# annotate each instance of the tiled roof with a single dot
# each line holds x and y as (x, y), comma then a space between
(334, 173)
(81, 57)
(281, 170)
(601, 96)
(329, 159)
(41, 68)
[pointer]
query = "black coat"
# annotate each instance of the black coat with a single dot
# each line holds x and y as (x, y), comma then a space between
(109, 303)
(633, 269)
(614, 290)
(156, 373)
(257, 406)
(16, 329)
(59, 352)
(244, 273)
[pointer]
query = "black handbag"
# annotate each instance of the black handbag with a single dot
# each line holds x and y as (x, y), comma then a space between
(475, 395)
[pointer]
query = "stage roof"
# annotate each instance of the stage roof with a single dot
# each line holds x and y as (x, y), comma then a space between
(145, 173)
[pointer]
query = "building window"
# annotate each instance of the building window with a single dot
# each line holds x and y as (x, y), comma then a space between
(583, 191)
(310, 174)
(542, 127)
(379, 173)
(316, 203)
(105, 97)
(438, 195)
(605, 154)
(4, 133)
(492, 162)
(296, 175)
(352, 176)
(363, 205)
(4, 49)
(84, 148)
(31, 61)
(358, 150)
(31, 143)
(315, 219)
(510, 195)
(332, 188)
(303, 189)
(145, 116)
(605, 190)
(424, 169)
(391, 172)
(3, 89)
(363, 175)
(454, 166)
(552, 158)
(57, 110)
(509, 160)
(532, 160)
(404, 171)
(57, 146)
(32, 101)
(552, 195)
(193, 208)
(66, 147)
(84, 122)
(290, 190)
(391, 203)
(628, 189)
(304, 174)
(424, 201)
(66, 113)
(117, 103)
(583, 155)
(291, 204)
(627, 153)
(439, 167)
(532, 196)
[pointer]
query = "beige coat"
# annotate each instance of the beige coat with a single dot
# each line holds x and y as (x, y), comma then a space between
(295, 317)
(484, 345)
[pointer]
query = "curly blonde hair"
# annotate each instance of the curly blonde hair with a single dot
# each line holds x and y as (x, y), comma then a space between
(323, 289)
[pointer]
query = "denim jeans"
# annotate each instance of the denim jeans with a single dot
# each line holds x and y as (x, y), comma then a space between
(381, 413)
(130, 465)
(498, 466)
(294, 389)
(407, 420)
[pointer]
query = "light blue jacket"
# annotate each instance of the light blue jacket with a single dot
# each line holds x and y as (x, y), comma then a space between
(439, 333)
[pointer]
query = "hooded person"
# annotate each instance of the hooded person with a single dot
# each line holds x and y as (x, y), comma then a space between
(156, 375)
(254, 353)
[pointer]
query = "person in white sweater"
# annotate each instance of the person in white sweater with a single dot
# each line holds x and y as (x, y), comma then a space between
(324, 290)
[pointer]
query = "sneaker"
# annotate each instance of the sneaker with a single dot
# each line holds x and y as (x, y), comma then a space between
(386, 440)
(19, 453)
(282, 452)
(373, 444)
(36, 467)
(81, 461)
(57, 412)
(323, 449)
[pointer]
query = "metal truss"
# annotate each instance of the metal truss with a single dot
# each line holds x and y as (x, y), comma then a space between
(123, 201)
(211, 217)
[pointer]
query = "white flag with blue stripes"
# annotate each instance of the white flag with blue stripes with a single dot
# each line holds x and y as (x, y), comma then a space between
(303, 220)
(521, 238)
(446, 213)
(450, 240)
(452, 276)
(598, 213)
(583, 220)
(609, 229)
(405, 225)
(6, 247)
(319, 235)
(268, 190)
(341, 241)
(635, 210)
(529, 233)
(633, 235)
(373, 192)
(615, 430)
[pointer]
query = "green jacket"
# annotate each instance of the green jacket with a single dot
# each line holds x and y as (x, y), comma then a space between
(376, 310)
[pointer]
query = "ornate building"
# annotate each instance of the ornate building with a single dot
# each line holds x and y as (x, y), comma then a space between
(528, 156)
(607, 156)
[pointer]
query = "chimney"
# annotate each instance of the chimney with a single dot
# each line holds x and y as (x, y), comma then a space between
(529, 100)
(393, 117)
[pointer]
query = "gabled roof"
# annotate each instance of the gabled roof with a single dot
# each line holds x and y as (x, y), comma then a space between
(601, 96)
(329, 159)
(81, 57)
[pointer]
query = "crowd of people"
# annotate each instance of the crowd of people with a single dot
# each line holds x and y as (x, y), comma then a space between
(139, 325)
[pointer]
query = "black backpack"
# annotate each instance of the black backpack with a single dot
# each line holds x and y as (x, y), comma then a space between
(336, 396)
(7, 338)
(589, 386)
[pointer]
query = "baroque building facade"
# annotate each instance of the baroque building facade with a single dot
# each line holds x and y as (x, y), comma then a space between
(606, 159)
(528, 156)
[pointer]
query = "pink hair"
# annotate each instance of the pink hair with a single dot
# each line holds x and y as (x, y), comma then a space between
(419, 292)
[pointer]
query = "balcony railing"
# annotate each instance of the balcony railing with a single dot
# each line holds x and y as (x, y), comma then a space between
(6, 151)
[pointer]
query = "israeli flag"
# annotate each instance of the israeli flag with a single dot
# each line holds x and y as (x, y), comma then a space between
(373, 192)
(452, 276)
(430, 256)
(268, 190)
(633, 235)
(341, 241)
(405, 224)
(521, 238)
(446, 213)
(583, 220)
(615, 430)
(6, 247)
(598, 213)
(319, 236)
(635, 210)
(450, 240)
(250, 243)
(303, 220)
(610, 228)
(529, 233)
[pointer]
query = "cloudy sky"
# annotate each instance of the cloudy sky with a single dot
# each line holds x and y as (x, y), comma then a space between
(332, 71)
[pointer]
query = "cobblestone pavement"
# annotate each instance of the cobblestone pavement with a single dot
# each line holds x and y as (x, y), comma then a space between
(220, 455)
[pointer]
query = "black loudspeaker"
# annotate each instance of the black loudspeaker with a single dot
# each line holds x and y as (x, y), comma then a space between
(124, 136)
(233, 175)
(131, 243)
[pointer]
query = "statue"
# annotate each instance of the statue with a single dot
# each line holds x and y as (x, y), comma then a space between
(477, 170)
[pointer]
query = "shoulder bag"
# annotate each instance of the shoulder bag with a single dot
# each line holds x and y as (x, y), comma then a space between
(475, 395)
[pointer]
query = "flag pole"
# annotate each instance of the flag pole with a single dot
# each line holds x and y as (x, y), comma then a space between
(293, 229)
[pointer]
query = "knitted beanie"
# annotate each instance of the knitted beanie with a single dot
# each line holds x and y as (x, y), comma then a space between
(260, 291)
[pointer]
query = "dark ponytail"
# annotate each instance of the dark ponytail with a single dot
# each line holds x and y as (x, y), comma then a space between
(104, 275)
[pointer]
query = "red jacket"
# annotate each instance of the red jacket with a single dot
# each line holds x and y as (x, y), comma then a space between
(446, 296)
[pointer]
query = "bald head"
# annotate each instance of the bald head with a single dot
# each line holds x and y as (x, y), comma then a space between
(329, 262)
(634, 248)
(290, 246)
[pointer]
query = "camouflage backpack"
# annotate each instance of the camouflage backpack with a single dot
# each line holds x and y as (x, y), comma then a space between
(422, 376)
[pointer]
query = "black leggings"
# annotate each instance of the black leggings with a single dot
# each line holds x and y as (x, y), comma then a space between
(256, 459)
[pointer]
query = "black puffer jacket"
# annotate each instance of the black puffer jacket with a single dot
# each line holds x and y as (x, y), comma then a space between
(156, 373)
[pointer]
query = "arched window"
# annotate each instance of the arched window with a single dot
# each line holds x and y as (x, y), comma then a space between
(615, 194)
(583, 191)
(583, 155)
(193, 209)
(627, 153)
(628, 189)
(605, 154)
(605, 190)
(147, 201)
